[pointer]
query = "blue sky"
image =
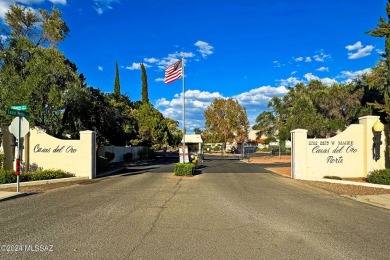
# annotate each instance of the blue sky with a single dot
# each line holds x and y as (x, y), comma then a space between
(250, 50)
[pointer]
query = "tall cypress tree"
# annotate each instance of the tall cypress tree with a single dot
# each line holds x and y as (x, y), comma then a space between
(117, 86)
(383, 30)
(144, 78)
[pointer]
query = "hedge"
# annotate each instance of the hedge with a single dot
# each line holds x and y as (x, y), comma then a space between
(9, 176)
(184, 169)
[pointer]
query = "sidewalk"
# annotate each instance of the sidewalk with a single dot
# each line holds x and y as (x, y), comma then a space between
(6, 195)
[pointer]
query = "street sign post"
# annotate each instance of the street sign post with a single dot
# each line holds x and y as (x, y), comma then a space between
(19, 128)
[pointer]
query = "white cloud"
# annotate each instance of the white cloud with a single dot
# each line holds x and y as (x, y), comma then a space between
(323, 69)
(159, 79)
(349, 75)
(100, 68)
(298, 59)
(308, 59)
(276, 64)
(103, 5)
(62, 2)
(356, 46)
(326, 81)
(151, 60)
(196, 102)
(134, 66)
(321, 56)
(5, 4)
(260, 95)
(294, 72)
(204, 48)
(358, 51)
(28, 2)
(290, 81)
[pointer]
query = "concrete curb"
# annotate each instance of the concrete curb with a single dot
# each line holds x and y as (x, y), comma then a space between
(30, 183)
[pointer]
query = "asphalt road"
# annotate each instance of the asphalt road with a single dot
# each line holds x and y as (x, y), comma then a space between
(230, 210)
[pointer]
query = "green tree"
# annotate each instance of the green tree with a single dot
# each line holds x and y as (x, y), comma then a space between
(39, 78)
(144, 78)
(226, 120)
(265, 123)
(380, 78)
(117, 86)
(197, 131)
(320, 109)
(41, 28)
(151, 125)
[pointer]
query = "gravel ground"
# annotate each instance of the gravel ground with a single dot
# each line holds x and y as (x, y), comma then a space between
(346, 189)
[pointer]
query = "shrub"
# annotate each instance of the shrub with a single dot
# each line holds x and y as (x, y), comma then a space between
(128, 157)
(379, 177)
(102, 164)
(45, 175)
(184, 169)
(217, 148)
(143, 153)
(9, 176)
(109, 156)
(2, 160)
(333, 177)
(146, 153)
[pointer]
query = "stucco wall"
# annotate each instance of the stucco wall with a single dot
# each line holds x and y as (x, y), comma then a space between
(347, 155)
(74, 156)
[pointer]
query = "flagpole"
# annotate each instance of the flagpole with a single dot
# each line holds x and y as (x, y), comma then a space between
(183, 108)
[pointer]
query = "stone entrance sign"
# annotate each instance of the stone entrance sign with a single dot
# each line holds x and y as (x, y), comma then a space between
(347, 155)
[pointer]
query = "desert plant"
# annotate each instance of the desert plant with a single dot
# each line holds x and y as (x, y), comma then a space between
(379, 176)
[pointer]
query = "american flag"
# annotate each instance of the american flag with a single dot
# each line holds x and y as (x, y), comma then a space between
(173, 72)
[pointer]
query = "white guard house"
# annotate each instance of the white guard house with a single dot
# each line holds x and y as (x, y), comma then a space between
(194, 143)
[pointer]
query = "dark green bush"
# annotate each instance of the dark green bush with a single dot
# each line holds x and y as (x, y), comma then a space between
(143, 153)
(9, 176)
(2, 160)
(379, 177)
(109, 156)
(333, 177)
(45, 175)
(217, 148)
(184, 169)
(128, 157)
(101, 164)
(146, 153)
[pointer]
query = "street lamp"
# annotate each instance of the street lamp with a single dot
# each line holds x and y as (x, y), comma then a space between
(378, 128)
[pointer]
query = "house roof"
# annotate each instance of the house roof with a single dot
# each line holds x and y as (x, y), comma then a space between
(195, 139)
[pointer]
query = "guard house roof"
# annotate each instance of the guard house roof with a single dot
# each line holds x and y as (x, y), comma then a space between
(194, 139)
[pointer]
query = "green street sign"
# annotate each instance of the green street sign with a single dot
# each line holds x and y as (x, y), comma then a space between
(19, 113)
(20, 108)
